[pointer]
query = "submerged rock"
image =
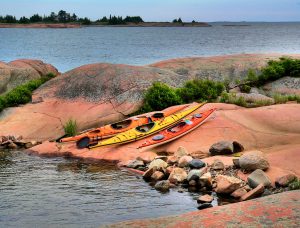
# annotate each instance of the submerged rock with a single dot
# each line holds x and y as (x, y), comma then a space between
(258, 177)
(163, 185)
(204, 205)
(253, 160)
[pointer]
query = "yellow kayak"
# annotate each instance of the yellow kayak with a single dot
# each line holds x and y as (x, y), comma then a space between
(146, 129)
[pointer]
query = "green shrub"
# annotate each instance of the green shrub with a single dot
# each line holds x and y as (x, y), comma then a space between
(260, 103)
(251, 76)
(22, 94)
(245, 88)
(231, 98)
(160, 96)
(70, 127)
(200, 90)
(294, 184)
(281, 99)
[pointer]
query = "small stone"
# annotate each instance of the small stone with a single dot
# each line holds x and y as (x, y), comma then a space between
(285, 179)
(157, 175)
(236, 162)
(12, 146)
(147, 175)
(181, 151)
(267, 192)
(253, 193)
(178, 175)
(180, 190)
(218, 165)
(163, 185)
(205, 199)
(184, 161)
(195, 174)
(221, 148)
(28, 145)
(34, 143)
(258, 177)
(206, 180)
(204, 205)
(196, 164)
(172, 160)
(169, 170)
(227, 184)
(134, 164)
(239, 193)
(192, 183)
(253, 160)
(159, 164)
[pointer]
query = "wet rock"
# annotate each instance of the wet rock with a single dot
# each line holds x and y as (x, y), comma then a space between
(147, 175)
(192, 183)
(159, 164)
(157, 175)
(253, 160)
(205, 199)
(227, 184)
(218, 165)
(253, 193)
(258, 177)
(239, 193)
(196, 164)
(206, 180)
(204, 205)
(222, 147)
(236, 162)
(285, 179)
(134, 164)
(12, 146)
(172, 160)
(184, 161)
(195, 174)
(163, 185)
(178, 175)
(181, 151)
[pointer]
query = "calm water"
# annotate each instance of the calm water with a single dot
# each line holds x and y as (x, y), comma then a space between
(70, 48)
(54, 192)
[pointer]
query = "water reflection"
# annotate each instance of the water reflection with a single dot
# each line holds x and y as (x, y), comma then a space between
(43, 192)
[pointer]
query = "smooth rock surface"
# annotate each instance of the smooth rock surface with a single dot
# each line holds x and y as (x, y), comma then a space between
(258, 177)
(253, 160)
(253, 193)
(159, 164)
(195, 174)
(221, 147)
(227, 184)
(196, 164)
(178, 175)
(184, 161)
(205, 199)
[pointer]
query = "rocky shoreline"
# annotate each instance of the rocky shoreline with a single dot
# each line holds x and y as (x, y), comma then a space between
(110, 92)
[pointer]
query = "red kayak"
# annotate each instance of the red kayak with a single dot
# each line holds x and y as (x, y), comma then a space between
(182, 128)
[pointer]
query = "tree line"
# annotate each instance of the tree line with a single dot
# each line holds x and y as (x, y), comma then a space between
(65, 17)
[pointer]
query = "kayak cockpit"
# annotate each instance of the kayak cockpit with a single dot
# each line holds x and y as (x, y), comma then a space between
(145, 127)
(121, 124)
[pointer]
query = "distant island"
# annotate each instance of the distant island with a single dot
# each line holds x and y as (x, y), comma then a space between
(64, 19)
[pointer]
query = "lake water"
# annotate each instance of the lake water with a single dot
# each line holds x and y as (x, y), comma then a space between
(70, 48)
(55, 192)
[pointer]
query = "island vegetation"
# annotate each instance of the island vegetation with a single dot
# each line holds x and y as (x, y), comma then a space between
(160, 96)
(71, 18)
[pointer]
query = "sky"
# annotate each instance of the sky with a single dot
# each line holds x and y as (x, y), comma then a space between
(162, 10)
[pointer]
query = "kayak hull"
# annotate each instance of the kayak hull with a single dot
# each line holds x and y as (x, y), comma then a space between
(111, 130)
(146, 129)
(169, 135)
